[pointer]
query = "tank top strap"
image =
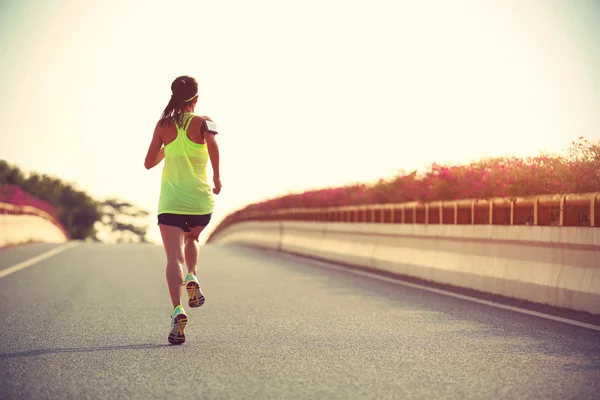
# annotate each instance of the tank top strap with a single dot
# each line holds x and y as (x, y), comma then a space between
(188, 122)
(185, 123)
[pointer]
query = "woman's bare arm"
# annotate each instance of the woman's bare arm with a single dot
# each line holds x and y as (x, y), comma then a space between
(213, 152)
(156, 152)
(161, 156)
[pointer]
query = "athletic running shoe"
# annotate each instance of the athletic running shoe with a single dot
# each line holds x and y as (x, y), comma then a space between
(179, 320)
(195, 296)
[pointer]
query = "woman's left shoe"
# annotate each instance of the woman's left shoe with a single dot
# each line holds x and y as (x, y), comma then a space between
(179, 320)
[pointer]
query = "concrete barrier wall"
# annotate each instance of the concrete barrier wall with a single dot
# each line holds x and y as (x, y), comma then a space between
(16, 229)
(258, 234)
(558, 266)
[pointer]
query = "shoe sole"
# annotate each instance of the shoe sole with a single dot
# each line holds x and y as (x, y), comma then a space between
(177, 336)
(196, 298)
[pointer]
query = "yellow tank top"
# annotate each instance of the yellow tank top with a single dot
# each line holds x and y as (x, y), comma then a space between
(184, 189)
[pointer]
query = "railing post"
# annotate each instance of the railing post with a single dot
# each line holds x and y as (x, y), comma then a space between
(455, 212)
(512, 212)
(593, 209)
(561, 210)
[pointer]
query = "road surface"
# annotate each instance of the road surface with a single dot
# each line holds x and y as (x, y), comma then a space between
(91, 322)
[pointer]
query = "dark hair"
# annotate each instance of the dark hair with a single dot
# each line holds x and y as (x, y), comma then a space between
(184, 89)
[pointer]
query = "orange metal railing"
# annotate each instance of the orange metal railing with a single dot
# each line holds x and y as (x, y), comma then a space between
(12, 209)
(574, 209)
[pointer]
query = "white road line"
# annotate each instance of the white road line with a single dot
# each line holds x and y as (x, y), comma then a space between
(36, 259)
(441, 291)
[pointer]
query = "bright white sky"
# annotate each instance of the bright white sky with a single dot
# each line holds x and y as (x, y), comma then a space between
(306, 94)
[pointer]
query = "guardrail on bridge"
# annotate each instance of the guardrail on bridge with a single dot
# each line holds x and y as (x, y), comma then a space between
(571, 209)
(25, 218)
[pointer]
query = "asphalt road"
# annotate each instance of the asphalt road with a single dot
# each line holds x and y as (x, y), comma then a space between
(92, 322)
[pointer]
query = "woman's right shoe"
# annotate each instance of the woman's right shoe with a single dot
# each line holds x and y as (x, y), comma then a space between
(195, 296)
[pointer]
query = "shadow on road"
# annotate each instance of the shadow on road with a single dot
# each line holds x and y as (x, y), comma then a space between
(33, 353)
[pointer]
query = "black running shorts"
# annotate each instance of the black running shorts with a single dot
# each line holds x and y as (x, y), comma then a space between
(185, 222)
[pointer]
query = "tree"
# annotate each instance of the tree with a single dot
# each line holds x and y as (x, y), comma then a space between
(78, 212)
(10, 175)
(122, 221)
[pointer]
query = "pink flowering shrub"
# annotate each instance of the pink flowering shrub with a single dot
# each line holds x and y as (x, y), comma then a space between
(13, 194)
(578, 171)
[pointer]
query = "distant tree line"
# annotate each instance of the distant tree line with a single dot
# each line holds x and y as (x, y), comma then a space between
(79, 213)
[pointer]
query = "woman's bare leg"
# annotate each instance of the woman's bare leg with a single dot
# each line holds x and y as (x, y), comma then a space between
(191, 249)
(172, 241)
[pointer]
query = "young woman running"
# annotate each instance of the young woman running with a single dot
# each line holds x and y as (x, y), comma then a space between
(186, 142)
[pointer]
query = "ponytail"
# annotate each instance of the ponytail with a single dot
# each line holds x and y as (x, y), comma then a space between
(183, 89)
(174, 109)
